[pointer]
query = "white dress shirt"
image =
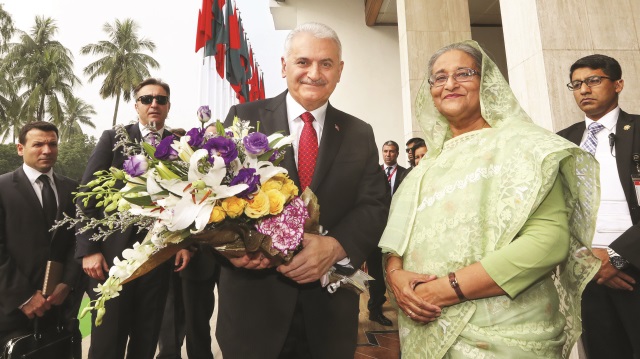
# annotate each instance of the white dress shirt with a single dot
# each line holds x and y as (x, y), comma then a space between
(144, 130)
(613, 215)
(33, 174)
(294, 111)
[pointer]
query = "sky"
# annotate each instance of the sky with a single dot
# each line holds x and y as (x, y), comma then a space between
(171, 25)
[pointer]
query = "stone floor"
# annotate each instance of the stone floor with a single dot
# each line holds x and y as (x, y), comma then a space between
(375, 341)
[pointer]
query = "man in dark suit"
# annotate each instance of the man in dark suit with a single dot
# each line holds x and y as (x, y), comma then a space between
(611, 302)
(31, 198)
(394, 173)
(284, 312)
(136, 313)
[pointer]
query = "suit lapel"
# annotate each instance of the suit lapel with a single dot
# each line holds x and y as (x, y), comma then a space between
(274, 119)
(23, 186)
(329, 146)
(575, 136)
(625, 131)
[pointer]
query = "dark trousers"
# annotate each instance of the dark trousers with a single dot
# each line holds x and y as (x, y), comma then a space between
(134, 316)
(199, 303)
(377, 287)
(172, 331)
(611, 321)
(337, 341)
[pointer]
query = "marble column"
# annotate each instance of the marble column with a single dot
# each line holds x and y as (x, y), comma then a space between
(542, 40)
(424, 26)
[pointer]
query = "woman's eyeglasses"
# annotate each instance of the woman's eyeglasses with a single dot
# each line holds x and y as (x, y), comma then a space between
(464, 74)
(148, 99)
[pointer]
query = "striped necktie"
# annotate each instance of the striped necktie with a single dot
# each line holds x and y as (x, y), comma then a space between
(591, 143)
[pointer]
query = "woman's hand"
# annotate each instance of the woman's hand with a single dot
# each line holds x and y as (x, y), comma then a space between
(402, 283)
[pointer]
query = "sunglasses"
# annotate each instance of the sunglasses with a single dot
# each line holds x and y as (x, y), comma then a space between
(148, 99)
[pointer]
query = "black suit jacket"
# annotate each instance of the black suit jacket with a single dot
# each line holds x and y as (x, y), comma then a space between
(26, 243)
(103, 158)
(354, 202)
(400, 173)
(627, 143)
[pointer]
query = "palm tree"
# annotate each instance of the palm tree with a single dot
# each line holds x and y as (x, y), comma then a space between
(43, 66)
(6, 28)
(123, 64)
(12, 114)
(74, 113)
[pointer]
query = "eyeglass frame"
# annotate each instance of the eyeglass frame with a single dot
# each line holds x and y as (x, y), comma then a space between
(469, 69)
(160, 99)
(597, 77)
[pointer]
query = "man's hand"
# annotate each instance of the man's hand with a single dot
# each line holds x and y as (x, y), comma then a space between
(182, 259)
(610, 276)
(36, 306)
(253, 260)
(95, 266)
(318, 254)
(59, 294)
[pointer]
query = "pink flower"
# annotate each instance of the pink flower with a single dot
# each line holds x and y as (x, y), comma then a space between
(286, 229)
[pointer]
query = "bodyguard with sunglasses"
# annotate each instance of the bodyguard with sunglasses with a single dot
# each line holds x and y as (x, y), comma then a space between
(136, 314)
(611, 301)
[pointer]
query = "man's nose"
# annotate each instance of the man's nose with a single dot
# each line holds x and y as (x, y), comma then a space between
(314, 72)
(584, 88)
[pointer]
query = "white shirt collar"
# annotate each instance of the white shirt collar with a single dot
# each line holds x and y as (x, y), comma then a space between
(608, 121)
(144, 130)
(294, 110)
(33, 174)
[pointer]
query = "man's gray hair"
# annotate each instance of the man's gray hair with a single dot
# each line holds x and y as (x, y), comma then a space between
(470, 50)
(317, 30)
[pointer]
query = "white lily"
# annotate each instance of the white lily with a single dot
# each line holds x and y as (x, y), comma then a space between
(266, 170)
(184, 150)
(283, 140)
(199, 193)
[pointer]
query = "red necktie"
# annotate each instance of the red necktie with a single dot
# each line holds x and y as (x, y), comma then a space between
(307, 150)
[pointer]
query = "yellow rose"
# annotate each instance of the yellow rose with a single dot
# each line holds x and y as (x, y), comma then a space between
(233, 206)
(289, 189)
(276, 201)
(217, 215)
(274, 182)
(258, 207)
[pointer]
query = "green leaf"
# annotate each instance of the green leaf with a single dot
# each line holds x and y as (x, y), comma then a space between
(149, 149)
(139, 201)
(219, 128)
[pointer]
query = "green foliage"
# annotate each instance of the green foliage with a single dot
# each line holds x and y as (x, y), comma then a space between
(9, 159)
(73, 155)
(124, 65)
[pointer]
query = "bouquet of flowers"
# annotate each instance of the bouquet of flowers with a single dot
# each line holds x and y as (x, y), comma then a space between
(223, 189)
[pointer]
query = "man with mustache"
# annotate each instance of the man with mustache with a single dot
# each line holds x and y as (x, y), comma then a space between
(611, 302)
(268, 310)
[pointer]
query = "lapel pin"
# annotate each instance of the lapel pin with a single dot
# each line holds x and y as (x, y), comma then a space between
(626, 127)
(337, 128)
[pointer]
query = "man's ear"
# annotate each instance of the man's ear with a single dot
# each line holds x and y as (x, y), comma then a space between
(284, 67)
(20, 149)
(619, 85)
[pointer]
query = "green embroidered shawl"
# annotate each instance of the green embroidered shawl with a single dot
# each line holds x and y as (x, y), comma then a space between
(470, 196)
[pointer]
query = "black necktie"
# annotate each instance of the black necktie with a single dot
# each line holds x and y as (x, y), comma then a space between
(389, 172)
(48, 200)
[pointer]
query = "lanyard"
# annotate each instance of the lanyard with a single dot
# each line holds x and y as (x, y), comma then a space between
(390, 176)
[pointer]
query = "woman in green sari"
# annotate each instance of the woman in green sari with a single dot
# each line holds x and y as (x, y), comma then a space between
(487, 240)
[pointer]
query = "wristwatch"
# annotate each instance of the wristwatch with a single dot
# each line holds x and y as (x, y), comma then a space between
(616, 260)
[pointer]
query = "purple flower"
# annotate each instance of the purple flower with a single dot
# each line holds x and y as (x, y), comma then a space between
(164, 151)
(256, 143)
(223, 147)
(229, 134)
(275, 155)
(204, 114)
(196, 137)
(286, 229)
(249, 177)
(135, 165)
